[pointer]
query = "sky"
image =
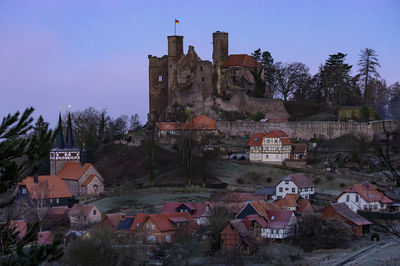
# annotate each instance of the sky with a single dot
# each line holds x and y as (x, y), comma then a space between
(95, 53)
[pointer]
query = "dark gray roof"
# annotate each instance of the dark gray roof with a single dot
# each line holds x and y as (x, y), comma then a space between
(266, 191)
(60, 137)
(70, 139)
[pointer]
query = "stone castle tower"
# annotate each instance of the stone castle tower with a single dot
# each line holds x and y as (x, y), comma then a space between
(220, 55)
(65, 151)
(177, 78)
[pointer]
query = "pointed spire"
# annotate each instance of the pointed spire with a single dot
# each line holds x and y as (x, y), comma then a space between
(60, 137)
(70, 139)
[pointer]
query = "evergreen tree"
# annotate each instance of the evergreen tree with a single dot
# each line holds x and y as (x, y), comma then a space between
(336, 79)
(269, 73)
(256, 55)
(369, 63)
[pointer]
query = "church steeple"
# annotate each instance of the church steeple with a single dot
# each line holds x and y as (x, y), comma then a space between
(70, 139)
(60, 137)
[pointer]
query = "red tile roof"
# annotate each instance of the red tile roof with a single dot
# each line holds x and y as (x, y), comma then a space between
(139, 220)
(279, 219)
(277, 120)
(73, 170)
(178, 219)
(261, 206)
(304, 206)
(301, 180)
(369, 193)
(48, 187)
(198, 208)
(343, 210)
(45, 238)
(87, 182)
(231, 207)
(81, 209)
(242, 60)
(168, 126)
(255, 218)
(257, 138)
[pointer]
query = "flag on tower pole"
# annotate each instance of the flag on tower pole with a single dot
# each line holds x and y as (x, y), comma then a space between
(176, 22)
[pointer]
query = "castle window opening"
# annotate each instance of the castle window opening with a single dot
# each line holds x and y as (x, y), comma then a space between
(159, 78)
(202, 79)
(201, 68)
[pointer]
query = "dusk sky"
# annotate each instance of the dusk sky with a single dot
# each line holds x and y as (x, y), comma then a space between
(94, 53)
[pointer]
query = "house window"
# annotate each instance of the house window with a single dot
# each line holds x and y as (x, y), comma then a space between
(276, 140)
(153, 227)
(287, 182)
(356, 198)
(94, 212)
(202, 79)
(138, 224)
(159, 78)
(286, 188)
(293, 190)
(277, 156)
(266, 148)
(57, 200)
(24, 191)
(347, 198)
(280, 189)
(168, 238)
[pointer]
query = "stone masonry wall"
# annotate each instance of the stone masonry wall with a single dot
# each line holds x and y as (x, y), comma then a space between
(307, 130)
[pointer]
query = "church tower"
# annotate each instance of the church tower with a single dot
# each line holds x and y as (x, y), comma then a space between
(64, 151)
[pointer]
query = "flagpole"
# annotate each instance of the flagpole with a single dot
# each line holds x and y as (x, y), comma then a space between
(175, 27)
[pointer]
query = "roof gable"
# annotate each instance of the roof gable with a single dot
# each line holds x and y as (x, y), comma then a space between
(73, 170)
(368, 192)
(197, 209)
(343, 210)
(301, 180)
(48, 187)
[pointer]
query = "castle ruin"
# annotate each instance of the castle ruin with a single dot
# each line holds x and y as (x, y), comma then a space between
(185, 80)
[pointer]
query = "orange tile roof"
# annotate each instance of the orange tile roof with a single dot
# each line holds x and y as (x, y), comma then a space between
(369, 193)
(197, 208)
(300, 148)
(164, 222)
(168, 126)
(73, 170)
(87, 182)
(261, 206)
(48, 187)
(113, 219)
(242, 60)
(290, 200)
(20, 227)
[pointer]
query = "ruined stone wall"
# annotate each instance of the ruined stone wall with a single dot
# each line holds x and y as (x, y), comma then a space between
(158, 86)
(309, 129)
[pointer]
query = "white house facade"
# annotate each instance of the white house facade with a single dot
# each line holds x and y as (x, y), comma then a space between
(272, 147)
(295, 184)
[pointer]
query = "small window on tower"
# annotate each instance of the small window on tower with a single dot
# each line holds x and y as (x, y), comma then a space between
(202, 78)
(201, 68)
(159, 78)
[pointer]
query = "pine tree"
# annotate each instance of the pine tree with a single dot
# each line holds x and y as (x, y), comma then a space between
(369, 63)
(256, 55)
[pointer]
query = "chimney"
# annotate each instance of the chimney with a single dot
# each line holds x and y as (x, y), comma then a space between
(36, 178)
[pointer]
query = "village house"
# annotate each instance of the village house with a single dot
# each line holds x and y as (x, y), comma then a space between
(359, 225)
(293, 202)
(199, 211)
(236, 238)
(300, 151)
(160, 228)
(268, 220)
(111, 220)
(272, 147)
(365, 197)
(42, 191)
(82, 215)
(295, 184)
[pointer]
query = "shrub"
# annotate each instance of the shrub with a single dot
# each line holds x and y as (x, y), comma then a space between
(256, 116)
(316, 232)
(342, 185)
(317, 180)
(269, 180)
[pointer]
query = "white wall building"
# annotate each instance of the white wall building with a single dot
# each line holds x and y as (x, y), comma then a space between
(295, 184)
(272, 147)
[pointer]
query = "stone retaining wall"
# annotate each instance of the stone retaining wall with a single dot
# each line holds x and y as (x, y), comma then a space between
(310, 129)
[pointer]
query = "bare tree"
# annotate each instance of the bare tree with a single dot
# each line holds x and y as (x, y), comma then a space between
(290, 77)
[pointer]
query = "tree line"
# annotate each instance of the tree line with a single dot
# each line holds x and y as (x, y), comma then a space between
(333, 84)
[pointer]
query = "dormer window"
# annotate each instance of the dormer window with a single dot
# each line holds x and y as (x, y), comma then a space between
(159, 78)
